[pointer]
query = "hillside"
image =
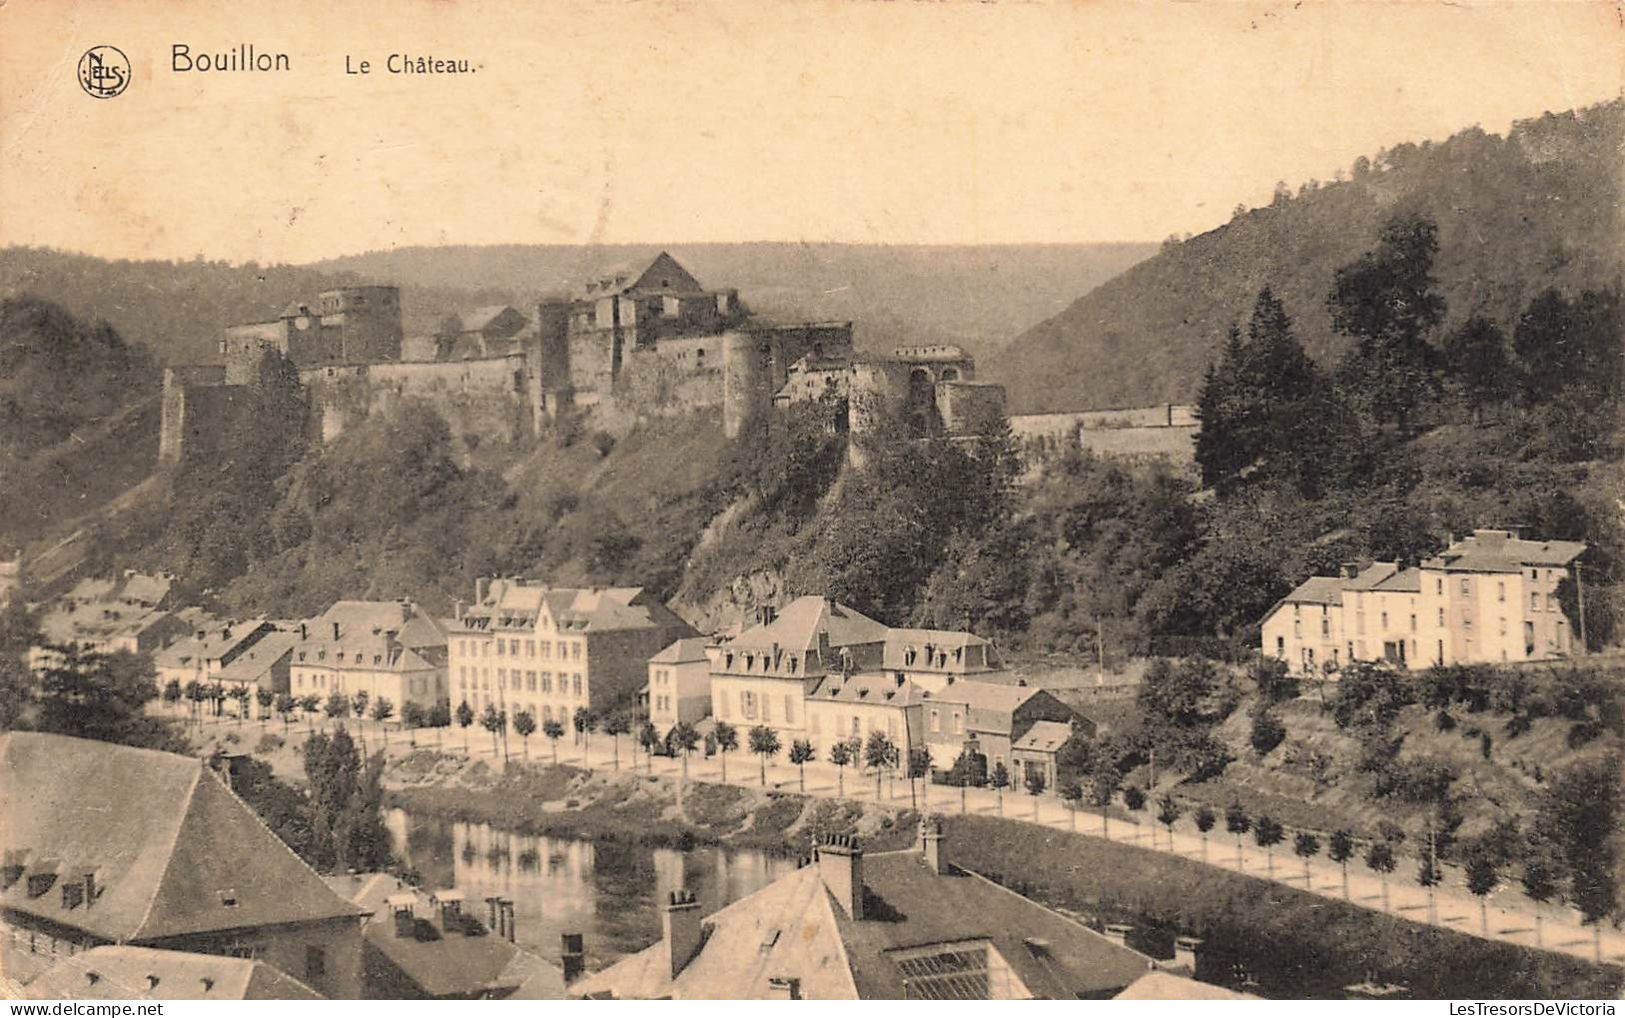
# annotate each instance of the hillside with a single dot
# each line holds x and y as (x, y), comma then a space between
(978, 297)
(1536, 209)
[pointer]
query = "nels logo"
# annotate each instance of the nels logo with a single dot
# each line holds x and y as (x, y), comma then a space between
(104, 72)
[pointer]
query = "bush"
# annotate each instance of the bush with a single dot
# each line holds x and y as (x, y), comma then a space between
(1268, 732)
(269, 743)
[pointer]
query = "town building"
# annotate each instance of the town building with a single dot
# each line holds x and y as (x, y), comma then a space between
(763, 675)
(348, 325)
(852, 925)
(111, 845)
(130, 613)
(265, 665)
(1022, 727)
(679, 687)
(200, 655)
(850, 709)
(555, 650)
(489, 331)
(426, 946)
(125, 972)
(385, 649)
(1486, 599)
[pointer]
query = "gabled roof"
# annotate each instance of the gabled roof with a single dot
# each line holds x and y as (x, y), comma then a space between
(881, 690)
(1044, 737)
(989, 706)
(173, 851)
(1168, 986)
(687, 650)
(1327, 590)
(514, 603)
(123, 972)
(662, 273)
(793, 928)
(797, 626)
(219, 639)
(442, 963)
(255, 663)
(478, 319)
(949, 650)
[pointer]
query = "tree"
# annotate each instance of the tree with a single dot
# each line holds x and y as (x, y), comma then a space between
(1103, 784)
(840, 754)
(101, 696)
(465, 718)
(285, 706)
(195, 695)
(1341, 849)
(524, 723)
(1205, 819)
(338, 706)
(382, 711)
(648, 738)
(585, 723)
(1267, 731)
(1379, 858)
(684, 738)
(1428, 874)
(919, 767)
(264, 697)
(615, 726)
(999, 779)
(346, 796)
(1386, 301)
(1477, 357)
(1583, 812)
(413, 717)
(1482, 875)
(726, 737)
(554, 732)
(802, 753)
(764, 742)
(358, 704)
(1237, 822)
(494, 721)
(880, 755)
(1071, 793)
(311, 705)
(1268, 833)
(1168, 812)
(1306, 846)
(1035, 783)
(172, 693)
(1539, 879)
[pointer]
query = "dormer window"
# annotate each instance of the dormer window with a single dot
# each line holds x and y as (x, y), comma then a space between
(228, 898)
(72, 895)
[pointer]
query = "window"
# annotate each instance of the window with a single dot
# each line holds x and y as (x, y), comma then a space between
(767, 709)
(936, 720)
(789, 710)
(502, 678)
(575, 685)
(530, 682)
(1534, 602)
(747, 706)
(959, 723)
(1280, 646)
(575, 651)
(1466, 587)
(1325, 626)
(1502, 626)
(1551, 602)
(530, 648)
(1501, 591)
(563, 653)
(722, 706)
(315, 963)
(1385, 622)
(1438, 587)
(499, 648)
(1413, 622)
(1441, 618)
(513, 648)
(813, 722)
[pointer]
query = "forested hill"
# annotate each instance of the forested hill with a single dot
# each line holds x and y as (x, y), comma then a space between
(979, 297)
(1516, 215)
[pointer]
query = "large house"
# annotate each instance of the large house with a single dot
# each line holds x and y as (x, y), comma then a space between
(1488, 598)
(202, 654)
(122, 972)
(109, 845)
(555, 650)
(386, 649)
(884, 926)
(679, 685)
(129, 613)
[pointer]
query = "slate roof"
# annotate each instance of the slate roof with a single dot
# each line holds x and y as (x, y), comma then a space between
(956, 644)
(170, 846)
(793, 928)
(126, 973)
(1495, 551)
(684, 651)
(870, 688)
(478, 319)
(1044, 737)
(1327, 590)
(798, 624)
(441, 963)
(219, 638)
(513, 604)
(1168, 986)
(990, 706)
(255, 663)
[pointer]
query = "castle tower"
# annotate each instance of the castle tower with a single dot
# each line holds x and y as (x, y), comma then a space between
(549, 361)
(747, 377)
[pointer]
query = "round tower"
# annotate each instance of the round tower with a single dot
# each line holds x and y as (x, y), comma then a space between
(747, 374)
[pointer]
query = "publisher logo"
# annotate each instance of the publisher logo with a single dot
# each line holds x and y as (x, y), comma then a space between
(104, 72)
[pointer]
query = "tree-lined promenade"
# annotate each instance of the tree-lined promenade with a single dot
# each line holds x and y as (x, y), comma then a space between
(1395, 876)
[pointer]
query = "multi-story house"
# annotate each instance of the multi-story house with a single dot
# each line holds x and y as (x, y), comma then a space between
(852, 708)
(1488, 598)
(110, 845)
(763, 675)
(1022, 727)
(200, 655)
(555, 650)
(362, 646)
(907, 925)
(679, 684)
(130, 613)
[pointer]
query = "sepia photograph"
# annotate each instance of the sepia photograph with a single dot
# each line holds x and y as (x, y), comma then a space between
(812, 500)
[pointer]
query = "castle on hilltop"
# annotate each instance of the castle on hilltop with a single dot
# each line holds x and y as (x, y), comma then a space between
(649, 339)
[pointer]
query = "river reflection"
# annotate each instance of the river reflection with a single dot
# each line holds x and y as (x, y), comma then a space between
(608, 891)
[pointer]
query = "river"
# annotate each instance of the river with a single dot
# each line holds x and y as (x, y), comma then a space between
(607, 891)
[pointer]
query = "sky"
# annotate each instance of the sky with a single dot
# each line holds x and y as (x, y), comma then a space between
(681, 121)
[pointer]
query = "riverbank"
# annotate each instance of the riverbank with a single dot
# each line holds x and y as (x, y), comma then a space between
(537, 797)
(1291, 942)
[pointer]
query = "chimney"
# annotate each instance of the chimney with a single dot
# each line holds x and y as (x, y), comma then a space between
(505, 907)
(90, 889)
(1350, 570)
(680, 930)
(783, 988)
(457, 609)
(202, 635)
(304, 631)
(152, 981)
(840, 864)
(208, 983)
(573, 956)
(405, 922)
(1185, 949)
(935, 846)
(1118, 933)
(335, 631)
(479, 590)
